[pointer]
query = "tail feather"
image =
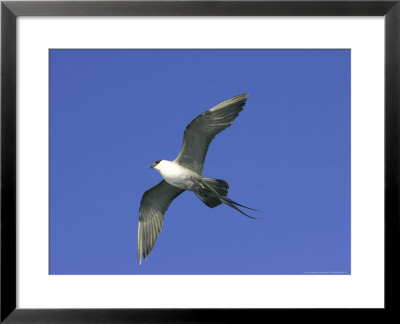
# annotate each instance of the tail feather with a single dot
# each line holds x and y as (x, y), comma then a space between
(232, 204)
(220, 186)
(210, 200)
(215, 191)
(237, 204)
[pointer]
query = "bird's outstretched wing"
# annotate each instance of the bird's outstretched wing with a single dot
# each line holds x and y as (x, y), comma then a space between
(153, 206)
(202, 130)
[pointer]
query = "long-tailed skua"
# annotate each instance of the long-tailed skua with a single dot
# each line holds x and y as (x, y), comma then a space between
(185, 173)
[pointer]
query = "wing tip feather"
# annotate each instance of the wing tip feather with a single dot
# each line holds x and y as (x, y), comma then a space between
(230, 101)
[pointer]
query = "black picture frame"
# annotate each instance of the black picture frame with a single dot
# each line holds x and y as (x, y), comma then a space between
(10, 10)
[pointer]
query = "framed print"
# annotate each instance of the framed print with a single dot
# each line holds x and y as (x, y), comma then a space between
(190, 70)
(288, 141)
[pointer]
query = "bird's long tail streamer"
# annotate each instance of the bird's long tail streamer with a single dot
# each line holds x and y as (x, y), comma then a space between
(234, 205)
(230, 202)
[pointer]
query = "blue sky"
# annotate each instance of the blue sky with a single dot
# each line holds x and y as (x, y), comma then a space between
(114, 112)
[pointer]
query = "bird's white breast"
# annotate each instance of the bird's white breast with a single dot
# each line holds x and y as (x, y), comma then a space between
(177, 175)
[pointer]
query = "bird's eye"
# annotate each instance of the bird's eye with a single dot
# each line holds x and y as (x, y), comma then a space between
(158, 161)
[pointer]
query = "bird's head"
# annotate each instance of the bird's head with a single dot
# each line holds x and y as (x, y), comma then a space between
(155, 164)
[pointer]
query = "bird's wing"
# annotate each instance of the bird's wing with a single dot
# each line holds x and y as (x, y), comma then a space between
(201, 131)
(153, 205)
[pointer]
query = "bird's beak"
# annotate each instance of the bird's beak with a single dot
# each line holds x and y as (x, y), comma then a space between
(152, 166)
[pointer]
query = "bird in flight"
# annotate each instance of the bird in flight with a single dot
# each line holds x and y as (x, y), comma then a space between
(185, 173)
